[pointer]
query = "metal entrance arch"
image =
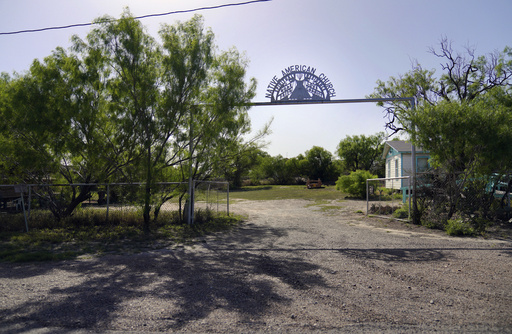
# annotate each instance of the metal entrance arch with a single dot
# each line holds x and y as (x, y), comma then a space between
(412, 100)
(301, 102)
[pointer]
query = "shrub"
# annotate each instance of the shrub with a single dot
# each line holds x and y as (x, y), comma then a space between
(384, 191)
(480, 224)
(459, 227)
(401, 213)
(355, 182)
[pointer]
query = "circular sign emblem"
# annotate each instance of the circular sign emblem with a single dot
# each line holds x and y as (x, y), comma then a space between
(300, 83)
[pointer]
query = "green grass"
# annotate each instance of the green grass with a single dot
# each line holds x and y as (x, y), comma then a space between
(90, 234)
(262, 193)
(459, 227)
(329, 208)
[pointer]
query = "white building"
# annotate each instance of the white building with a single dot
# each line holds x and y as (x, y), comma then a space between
(398, 155)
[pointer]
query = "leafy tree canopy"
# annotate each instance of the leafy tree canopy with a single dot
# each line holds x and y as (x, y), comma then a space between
(119, 106)
(318, 164)
(462, 116)
(362, 152)
(465, 135)
(465, 77)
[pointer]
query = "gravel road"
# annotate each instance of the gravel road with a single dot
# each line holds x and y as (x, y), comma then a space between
(290, 268)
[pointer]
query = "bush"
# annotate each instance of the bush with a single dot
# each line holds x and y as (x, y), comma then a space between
(355, 182)
(384, 191)
(480, 224)
(459, 227)
(401, 213)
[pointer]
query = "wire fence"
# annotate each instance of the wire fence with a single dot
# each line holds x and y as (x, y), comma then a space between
(33, 205)
(388, 197)
(442, 197)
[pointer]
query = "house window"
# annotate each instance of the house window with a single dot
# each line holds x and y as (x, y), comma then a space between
(396, 168)
(422, 164)
(389, 168)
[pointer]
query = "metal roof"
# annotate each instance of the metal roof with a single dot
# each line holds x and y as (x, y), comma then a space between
(400, 146)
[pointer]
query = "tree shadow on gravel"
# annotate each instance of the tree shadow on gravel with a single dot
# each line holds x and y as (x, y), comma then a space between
(412, 254)
(159, 290)
(23, 270)
(237, 276)
(396, 254)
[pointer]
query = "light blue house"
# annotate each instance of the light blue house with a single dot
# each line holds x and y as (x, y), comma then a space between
(398, 155)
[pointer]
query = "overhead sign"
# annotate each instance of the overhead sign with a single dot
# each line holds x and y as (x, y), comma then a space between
(300, 83)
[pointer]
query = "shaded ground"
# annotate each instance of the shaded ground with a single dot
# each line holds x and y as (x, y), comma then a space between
(291, 267)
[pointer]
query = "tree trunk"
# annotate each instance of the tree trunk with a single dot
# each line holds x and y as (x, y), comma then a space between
(147, 193)
(82, 196)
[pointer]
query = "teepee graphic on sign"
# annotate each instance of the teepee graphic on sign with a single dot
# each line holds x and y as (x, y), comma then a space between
(300, 92)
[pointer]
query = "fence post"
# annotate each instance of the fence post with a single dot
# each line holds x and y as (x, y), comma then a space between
(228, 200)
(192, 201)
(413, 179)
(409, 192)
(367, 196)
(29, 199)
(108, 198)
(413, 174)
(23, 205)
(208, 196)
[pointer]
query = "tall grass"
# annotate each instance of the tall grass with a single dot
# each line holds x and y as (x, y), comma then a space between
(89, 232)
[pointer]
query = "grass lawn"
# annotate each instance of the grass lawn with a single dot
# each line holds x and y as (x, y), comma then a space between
(260, 193)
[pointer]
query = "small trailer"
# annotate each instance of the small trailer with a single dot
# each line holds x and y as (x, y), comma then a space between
(10, 199)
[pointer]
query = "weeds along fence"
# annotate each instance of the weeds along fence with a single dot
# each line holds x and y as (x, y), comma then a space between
(443, 199)
(37, 205)
(384, 196)
(478, 201)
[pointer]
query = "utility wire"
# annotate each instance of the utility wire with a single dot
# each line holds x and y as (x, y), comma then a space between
(137, 18)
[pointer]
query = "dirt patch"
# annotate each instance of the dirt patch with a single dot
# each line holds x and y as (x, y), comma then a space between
(291, 267)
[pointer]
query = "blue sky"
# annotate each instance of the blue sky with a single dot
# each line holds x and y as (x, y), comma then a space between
(353, 42)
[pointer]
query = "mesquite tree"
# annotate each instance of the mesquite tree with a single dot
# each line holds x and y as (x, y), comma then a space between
(121, 106)
(462, 117)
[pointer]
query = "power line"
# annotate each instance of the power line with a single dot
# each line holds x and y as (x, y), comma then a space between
(137, 18)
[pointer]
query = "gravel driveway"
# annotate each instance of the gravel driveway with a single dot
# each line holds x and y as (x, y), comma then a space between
(291, 267)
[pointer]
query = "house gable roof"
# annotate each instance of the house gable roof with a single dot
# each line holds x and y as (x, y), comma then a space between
(400, 146)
